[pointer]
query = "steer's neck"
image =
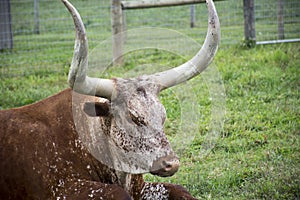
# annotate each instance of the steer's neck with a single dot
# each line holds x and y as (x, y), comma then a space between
(125, 180)
(132, 183)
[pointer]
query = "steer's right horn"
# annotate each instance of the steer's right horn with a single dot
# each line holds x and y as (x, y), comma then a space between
(78, 79)
(201, 60)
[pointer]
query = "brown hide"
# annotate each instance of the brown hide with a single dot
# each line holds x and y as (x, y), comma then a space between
(41, 153)
(43, 158)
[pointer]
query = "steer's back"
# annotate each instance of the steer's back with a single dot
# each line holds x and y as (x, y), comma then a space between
(38, 145)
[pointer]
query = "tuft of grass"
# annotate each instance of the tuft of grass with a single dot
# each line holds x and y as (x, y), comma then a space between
(20, 91)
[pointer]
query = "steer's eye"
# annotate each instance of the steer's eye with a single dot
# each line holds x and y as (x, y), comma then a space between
(138, 120)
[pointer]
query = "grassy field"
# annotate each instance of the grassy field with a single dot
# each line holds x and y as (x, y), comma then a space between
(257, 155)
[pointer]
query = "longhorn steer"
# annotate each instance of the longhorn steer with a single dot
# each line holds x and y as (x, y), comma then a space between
(95, 140)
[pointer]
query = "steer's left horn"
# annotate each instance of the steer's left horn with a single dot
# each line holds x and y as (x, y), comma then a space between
(78, 80)
(201, 60)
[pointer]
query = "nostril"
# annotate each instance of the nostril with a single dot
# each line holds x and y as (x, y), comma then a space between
(165, 166)
(168, 167)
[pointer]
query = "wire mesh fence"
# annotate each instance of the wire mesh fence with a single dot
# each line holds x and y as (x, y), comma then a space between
(277, 20)
(42, 33)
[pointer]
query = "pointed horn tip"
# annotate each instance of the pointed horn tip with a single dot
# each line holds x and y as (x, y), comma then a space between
(68, 5)
(211, 8)
(65, 2)
(214, 22)
(79, 26)
(201, 60)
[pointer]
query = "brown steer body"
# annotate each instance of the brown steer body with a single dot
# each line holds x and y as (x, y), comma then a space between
(42, 157)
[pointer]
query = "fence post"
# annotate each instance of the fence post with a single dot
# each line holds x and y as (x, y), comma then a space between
(280, 19)
(249, 23)
(36, 17)
(117, 28)
(6, 36)
(193, 17)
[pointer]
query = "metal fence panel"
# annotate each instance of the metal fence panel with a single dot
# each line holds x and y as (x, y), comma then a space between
(277, 20)
(43, 39)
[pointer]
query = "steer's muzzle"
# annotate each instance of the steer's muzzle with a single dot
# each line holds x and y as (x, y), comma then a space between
(165, 166)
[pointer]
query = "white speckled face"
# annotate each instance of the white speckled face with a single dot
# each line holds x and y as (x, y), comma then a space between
(138, 119)
(131, 138)
(137, 112)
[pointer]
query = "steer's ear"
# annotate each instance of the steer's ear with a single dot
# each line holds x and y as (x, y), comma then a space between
(94, 109)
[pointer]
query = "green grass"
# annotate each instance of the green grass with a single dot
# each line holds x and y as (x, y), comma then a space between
(257, 155)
